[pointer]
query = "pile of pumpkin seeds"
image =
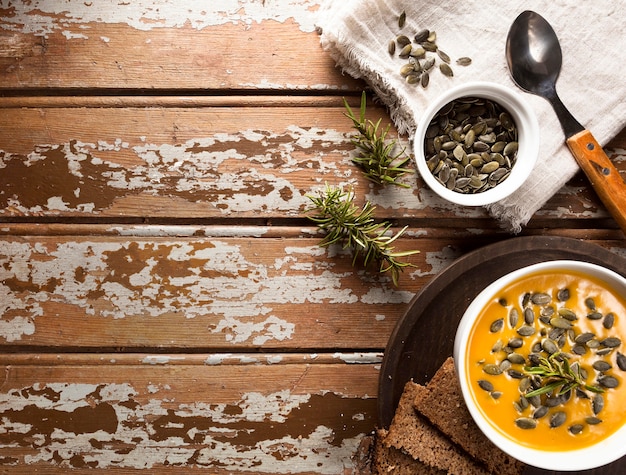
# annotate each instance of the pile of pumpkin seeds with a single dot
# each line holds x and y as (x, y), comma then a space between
(545, 325)
(421, 55)
(471, 145)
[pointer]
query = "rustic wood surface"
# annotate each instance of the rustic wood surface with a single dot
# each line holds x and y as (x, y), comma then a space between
(163, 299)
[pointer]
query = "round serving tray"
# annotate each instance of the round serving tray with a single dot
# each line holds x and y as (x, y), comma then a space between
(423, 338)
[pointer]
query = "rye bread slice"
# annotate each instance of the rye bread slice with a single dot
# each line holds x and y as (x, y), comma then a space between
(412, 434)
(389, 460)
(443, 405)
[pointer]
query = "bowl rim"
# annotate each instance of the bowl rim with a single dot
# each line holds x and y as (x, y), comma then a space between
(585, 458)
(525, 119)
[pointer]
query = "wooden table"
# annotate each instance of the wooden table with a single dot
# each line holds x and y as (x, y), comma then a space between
(164, 302)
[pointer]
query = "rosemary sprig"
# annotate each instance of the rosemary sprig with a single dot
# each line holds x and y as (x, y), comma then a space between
(557, 376)
(376, 155)
(356, 228)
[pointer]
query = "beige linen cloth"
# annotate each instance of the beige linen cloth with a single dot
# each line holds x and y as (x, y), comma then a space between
(592, 83)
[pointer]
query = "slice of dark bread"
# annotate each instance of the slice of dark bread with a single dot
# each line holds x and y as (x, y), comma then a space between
(412, 434)
(443, 405)
(388, 460)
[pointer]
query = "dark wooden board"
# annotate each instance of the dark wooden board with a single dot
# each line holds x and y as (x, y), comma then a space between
(424, 336)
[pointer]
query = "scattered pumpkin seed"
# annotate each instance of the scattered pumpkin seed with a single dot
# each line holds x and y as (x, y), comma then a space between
(541, 298)
(590, 303)
(611, 342)
(526, 423)
(597, 404)
(402, 20)
(497, 325)
(608, 381)
(609, 320)
(576, 429)
(601, 366)
(563, 295)
(557, 419)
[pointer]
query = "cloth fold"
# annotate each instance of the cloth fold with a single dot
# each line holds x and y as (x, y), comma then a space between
(356, 33)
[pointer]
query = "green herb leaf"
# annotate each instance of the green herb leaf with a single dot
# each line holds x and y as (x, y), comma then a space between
(557, 376)
(376, 155)
(334, 211)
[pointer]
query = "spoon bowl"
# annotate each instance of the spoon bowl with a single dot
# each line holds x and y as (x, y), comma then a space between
(534, 54)
(534, 57)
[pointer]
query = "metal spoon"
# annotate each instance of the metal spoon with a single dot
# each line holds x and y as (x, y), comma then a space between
(534, 57)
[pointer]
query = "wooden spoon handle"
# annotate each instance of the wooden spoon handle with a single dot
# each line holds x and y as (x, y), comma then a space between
(602, 174)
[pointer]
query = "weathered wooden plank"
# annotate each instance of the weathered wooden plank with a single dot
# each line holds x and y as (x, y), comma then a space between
(233, 45)
(266, 418)
(142, 292)
(200, 292)
(207, 162)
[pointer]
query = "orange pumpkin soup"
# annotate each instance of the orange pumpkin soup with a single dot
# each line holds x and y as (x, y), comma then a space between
(542, 322)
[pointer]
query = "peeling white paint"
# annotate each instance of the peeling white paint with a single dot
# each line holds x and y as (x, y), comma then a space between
(161, 359)
(215, 283)
(137, 426)
(359, 358)
(377, 295)
(238, 331)
(438, 261)
(42, 17)
(203, 166)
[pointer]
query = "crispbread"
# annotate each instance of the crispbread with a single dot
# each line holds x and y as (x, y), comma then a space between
(412, 434)
(390, 460)
(443, 405)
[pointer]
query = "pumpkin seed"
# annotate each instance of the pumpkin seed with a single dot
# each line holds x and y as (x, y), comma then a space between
(592, 420)
(590, 303)
(513, 317)
(597, 404)
(557, 419)
(526, 330)
(446, 70)
(563, 295)
(549, 346)
(609, 382)
(402, 20)
(541, 298)
(560, 322)
(609, 320)
(464, 61)
(492, 369)
(576, 429)
(485, 385)
(529, 316)
(516, 358)
(567, 314)
(611, 342)
(621, 361)
(526, 423)
(497, 325)
(584, 337)
(601, 366)
(392, 47)
(444, 57)
(540, 412)
(421, 36)
(405, 51)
